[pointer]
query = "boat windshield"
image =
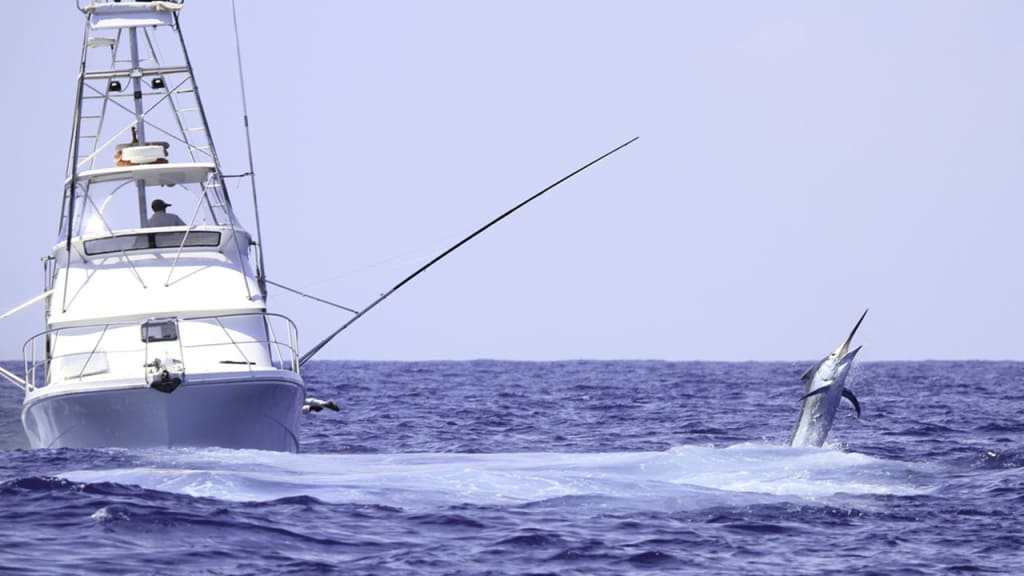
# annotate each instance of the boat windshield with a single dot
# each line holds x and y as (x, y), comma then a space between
(150, 240)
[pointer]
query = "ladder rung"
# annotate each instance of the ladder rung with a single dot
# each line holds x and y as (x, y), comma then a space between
(184, 110)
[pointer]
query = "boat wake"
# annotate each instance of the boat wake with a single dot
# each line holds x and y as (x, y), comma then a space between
(682, 478)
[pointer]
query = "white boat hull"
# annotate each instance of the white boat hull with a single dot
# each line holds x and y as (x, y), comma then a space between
(248, 412)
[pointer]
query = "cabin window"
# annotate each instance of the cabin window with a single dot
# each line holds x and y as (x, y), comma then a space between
(129, 242)
(164, 330)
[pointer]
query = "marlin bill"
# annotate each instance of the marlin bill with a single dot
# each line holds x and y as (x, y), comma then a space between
(826, 387)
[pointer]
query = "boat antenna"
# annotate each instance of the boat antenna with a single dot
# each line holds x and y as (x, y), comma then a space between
(261, 271)
(308, 355)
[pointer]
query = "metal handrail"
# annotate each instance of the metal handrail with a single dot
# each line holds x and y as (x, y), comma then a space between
(275, 346)
(293, 333)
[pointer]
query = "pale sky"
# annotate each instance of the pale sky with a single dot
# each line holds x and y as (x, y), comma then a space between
(798, 162)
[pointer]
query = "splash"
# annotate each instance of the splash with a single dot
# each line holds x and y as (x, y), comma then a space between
(685, 477)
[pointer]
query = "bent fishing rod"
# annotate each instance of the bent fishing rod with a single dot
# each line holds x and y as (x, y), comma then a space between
(308, 355)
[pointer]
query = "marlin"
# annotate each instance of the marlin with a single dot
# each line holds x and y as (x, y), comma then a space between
(825, 389)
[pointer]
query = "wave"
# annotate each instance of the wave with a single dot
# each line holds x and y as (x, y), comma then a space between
(682, 478)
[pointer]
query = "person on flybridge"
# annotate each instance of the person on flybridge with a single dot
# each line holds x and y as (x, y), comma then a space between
(161, 217)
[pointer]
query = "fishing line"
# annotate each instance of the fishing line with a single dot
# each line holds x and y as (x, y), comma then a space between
(403, 257)
(311, 297)
(312, 352)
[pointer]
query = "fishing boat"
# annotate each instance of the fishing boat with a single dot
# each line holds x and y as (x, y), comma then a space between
(157, 332)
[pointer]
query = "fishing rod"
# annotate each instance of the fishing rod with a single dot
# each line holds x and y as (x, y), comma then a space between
(308, 355)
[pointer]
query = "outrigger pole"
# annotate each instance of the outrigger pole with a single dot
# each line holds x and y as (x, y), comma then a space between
(308, 355)
(261, 268)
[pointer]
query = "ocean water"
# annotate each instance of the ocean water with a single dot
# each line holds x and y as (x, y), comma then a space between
(561, 468)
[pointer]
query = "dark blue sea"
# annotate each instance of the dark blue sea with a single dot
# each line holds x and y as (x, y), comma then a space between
(580, 467)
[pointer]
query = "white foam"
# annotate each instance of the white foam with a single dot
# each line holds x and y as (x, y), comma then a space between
(105, 514)
(681, 478)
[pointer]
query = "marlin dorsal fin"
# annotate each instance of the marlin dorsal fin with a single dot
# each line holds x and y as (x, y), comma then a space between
(853, 400)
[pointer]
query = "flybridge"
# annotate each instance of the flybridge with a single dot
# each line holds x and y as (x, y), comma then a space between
(140, 134)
